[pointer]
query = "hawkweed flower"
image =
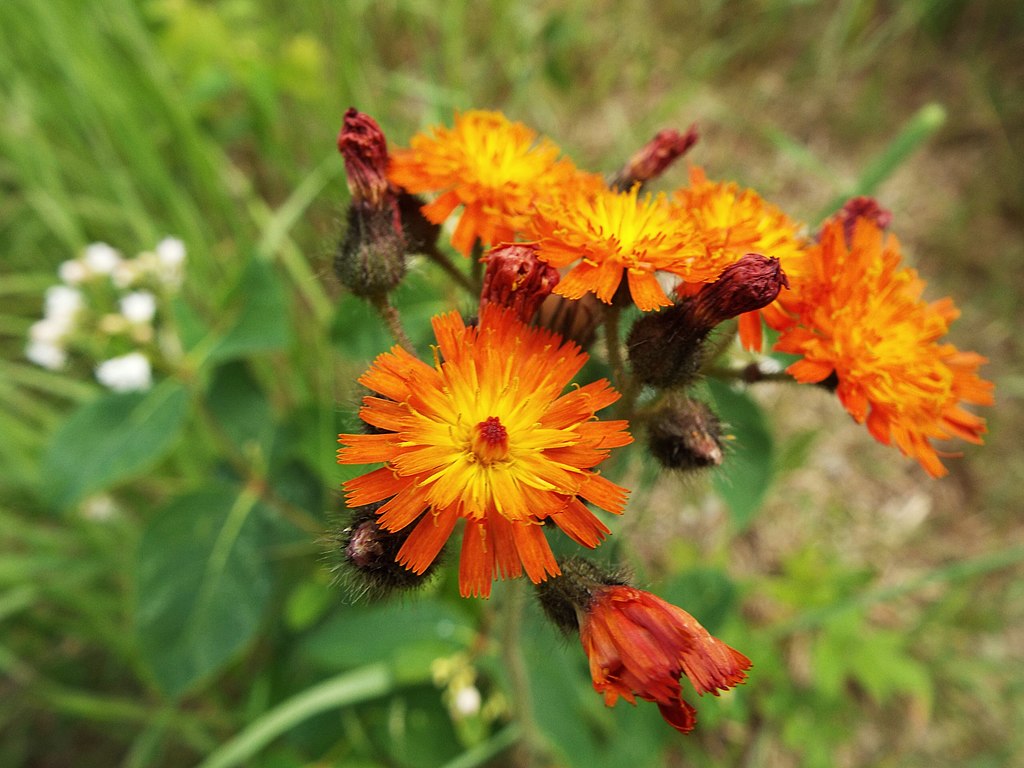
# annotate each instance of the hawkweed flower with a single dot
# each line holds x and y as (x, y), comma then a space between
(655, 157)
(517, 279)
(485, 434)
(639, 645)
(860, 319)
(605, 235)
(733, 221)
(491, 166)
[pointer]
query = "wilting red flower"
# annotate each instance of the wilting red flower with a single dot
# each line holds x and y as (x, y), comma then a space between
(365, 149)
(639, 646)
(517, 279)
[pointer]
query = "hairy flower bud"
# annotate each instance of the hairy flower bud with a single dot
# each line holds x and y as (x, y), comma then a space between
(364, 555)
(686, 434)
(654, 158)
(566, 597)
(665, 348)
(517, 279)
(746, 285)
(370, 259)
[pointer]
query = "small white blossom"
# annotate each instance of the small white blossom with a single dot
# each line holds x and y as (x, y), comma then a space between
(170, 253)
(99, 509)
(63, 303)
(128, 373)
(46, 354)
(73, 272)
(466, 701)
(48, 331)
(101, 258)
(139, 307)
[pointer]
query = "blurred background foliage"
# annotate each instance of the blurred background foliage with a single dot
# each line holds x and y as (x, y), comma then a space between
(192, 621)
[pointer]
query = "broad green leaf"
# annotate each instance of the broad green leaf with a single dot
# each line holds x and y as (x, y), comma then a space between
(111, 439)
(364, 634)
(262, 320)
(202, 585)
(748, 467)
(241, 409)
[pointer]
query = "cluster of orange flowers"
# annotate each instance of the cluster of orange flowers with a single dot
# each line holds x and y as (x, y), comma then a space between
(487, 434)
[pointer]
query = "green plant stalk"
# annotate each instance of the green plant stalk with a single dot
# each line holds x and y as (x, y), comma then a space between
(363, 684)
(483, 753)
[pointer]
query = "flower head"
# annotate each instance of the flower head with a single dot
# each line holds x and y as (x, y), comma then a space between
(490, 165)
(605, 234)
(859, 316)
(486, 434)
(732, 222)
(639, 645)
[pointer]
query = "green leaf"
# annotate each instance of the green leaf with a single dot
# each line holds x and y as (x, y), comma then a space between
(240, 407)
(262, 322)
(202, 584)
(111, 439)
(748, 467)
(360, 634)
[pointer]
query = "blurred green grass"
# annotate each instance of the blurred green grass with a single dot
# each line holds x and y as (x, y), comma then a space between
(124, 121)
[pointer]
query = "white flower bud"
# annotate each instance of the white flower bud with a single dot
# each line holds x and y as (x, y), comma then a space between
(170, 254)
(63, 303)
(126, 273)
(466, 701)
(49, 331)
(73, 272)
(101, 258)
(46, 354)
(128, 373)
(139, 307)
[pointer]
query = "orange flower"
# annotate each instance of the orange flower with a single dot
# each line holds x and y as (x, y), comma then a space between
(639, 645)
(492, 166)
(859, 316)
(486, 434)
(733, 222)
(608, 233)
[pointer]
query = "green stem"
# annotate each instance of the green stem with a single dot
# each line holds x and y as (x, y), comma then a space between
(442, 260)
(393, 321)
(515, 665)
(613, 345)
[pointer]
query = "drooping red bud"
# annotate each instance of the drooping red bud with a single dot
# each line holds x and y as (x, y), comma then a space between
(746, 285)
(362, 144)
(654, 158)
(517, 279)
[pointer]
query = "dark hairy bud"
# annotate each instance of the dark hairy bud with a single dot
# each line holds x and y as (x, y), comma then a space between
(686, 434)
(665, 348)
(370, 259)
(364, 554)
(573, 319)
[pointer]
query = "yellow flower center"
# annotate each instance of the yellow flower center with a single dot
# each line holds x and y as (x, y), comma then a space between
(490, 441)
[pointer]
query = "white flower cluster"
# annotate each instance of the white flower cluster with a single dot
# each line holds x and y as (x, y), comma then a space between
(104, 303)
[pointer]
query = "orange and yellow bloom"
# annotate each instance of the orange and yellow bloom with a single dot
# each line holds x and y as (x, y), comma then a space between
(487, 435)
(605, 235)
(733, 221)
(858, 315)
(493, 167)
(639, 645)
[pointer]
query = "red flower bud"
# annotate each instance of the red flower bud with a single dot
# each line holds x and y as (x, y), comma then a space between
(362, 144)
(746, 285)
(654, 158)
(862, 208)
(517, 279)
